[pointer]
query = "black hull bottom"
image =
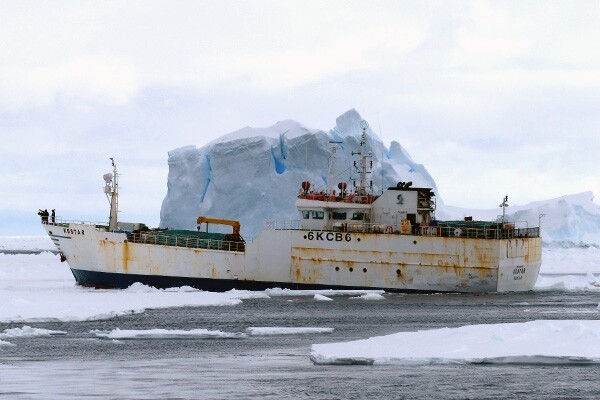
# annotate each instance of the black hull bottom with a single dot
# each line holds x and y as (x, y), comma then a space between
(105, 280)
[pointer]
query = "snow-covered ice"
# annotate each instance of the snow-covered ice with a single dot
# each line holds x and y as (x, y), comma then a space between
(147, 334)
(38, 287)
(284, 330)
(275, 292)
(124, 334)
(534, 342)
(320, 297)
(27, 331)
(369, 296)
(30, 244)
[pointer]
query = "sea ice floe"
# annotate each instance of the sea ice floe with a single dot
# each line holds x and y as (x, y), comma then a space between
(27, 331)
(566, 282)
(276, 292)
(122, 334)
(534, 342)
(369, 296)
(281, 330)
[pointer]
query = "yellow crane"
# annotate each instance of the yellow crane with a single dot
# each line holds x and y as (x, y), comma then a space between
(208, 220)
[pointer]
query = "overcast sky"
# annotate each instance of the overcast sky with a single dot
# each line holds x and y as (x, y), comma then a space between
(494, 98)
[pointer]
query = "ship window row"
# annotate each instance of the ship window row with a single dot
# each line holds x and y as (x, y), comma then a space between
(335, 215)
(315, 214)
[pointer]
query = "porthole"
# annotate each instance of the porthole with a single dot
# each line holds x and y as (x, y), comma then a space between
(414, 242)
(351, 269)
(398, 272)
(364, 270)
(337, 268)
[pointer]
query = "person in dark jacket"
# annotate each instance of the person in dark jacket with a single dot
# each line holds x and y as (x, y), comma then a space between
(44, 214)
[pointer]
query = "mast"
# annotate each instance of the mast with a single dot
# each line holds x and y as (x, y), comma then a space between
(331, 170)
(111, 189)
(504, 204)
(362, 167)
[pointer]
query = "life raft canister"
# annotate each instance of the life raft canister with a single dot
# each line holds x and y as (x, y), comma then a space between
(405, 227)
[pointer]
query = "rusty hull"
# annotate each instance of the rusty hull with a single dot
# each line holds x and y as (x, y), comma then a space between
(388, 261)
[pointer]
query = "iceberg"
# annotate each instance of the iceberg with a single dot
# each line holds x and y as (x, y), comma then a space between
(571, 220)
(254, 174)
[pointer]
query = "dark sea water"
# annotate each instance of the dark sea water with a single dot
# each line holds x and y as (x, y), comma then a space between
(80, 365)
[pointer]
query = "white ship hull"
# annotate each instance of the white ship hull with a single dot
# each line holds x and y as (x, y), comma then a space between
(294, 258)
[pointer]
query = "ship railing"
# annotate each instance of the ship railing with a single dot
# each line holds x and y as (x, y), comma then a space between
(59, 221)
(482, 230)
(492, 231)
(185, 241)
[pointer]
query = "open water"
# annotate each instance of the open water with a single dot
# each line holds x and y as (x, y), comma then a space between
(80, 365)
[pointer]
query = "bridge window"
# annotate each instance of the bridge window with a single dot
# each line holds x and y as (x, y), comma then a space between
(358, 216)
(339, 215)
(305, 214)
(318, 214)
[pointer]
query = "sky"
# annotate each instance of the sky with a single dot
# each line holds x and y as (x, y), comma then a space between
(494, 98)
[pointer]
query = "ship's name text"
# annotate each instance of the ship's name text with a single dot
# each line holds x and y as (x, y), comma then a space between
(518, 273)
(74, 231)
(329, 236)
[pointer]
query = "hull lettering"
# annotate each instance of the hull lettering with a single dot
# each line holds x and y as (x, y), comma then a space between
(328, 236)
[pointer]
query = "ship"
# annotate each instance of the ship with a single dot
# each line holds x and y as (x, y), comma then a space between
(343, 239)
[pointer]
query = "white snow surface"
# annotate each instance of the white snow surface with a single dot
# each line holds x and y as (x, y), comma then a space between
(26, 243)
(254, 174)
(38, 287)
(534, 342)
(320, 297)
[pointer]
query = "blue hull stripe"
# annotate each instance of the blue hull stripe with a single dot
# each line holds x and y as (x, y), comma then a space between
(105, 280)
